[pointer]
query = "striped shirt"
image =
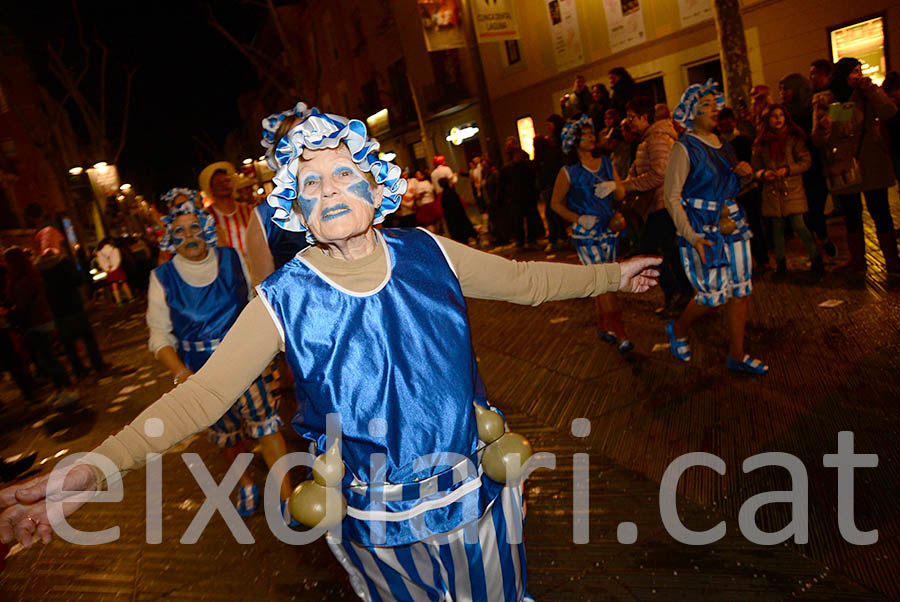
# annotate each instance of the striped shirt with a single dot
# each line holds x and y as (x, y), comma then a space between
(232, 226)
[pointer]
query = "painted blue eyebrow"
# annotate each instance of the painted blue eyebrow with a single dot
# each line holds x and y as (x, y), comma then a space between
(311, 176)
(340, 168)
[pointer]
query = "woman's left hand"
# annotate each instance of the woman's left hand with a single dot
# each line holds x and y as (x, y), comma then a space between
(743, 169)
(638, 275)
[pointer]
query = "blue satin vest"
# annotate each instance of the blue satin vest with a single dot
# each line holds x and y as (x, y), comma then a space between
(283, 244)
(581, 199)
(402, 354)
(711, 183)
(201, 316)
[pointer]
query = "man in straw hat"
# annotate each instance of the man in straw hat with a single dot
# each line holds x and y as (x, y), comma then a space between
(217, 183)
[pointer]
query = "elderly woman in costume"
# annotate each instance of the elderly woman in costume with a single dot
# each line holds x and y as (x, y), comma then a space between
(192, 301)
(585, 193)
(702, 180)
(374, 327)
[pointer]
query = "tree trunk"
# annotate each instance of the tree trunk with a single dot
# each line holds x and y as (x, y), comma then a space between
(733, 52)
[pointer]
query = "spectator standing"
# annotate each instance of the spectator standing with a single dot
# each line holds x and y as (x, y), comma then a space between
(796, 96)
(428, 208)
(475, 172)
(518, 191)
(855, 148)
(441, 171)
(579, 100)
(780, 158)
(891, 126)
(549, 159)
(31, 311)
(458, 225)
(62, 285)
(647, 176)
(623, 88)
(232, 218)
(10, 354)
(820, 74)
(599, 103)
(109, 258)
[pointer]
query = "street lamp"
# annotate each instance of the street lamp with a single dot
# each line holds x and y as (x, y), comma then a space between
(248, 161)
(76, 171)
(100, 165)
(125, 187)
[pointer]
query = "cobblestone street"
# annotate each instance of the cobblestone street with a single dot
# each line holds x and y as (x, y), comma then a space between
(832, 369)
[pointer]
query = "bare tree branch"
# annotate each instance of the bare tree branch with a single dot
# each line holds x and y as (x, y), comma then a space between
(132, 71)
(104, 59)
(262, 68)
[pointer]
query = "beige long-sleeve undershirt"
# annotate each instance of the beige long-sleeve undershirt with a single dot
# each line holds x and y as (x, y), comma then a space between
(254, 339)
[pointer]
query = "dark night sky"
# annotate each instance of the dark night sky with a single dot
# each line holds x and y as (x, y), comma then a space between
(188, 83)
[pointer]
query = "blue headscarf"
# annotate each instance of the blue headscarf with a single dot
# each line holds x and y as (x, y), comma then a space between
(686, 110)
(188, 207)
(571, 132)
(317, 131)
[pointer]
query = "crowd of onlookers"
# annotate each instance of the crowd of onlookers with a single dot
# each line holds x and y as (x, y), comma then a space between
(831, 132)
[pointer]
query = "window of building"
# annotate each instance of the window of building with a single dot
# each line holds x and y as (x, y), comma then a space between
(698, 73)
(864, 41)
(512, 52)
(653, 88)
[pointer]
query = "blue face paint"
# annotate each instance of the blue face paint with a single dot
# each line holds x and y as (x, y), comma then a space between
(311, 183)
(362, 190)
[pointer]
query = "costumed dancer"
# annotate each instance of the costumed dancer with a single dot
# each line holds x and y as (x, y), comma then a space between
(702, 181)
(374, 327)
(192, 302)
(584, 193)
(268, 246)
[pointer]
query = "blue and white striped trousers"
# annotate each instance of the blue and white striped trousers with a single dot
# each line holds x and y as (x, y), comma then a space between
(716, 285)
(446, 568)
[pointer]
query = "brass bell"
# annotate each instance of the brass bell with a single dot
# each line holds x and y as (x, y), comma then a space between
(727, 226)
(499, 459)
(617, 222)
(313, 505)
(490, 424)
(328, 468)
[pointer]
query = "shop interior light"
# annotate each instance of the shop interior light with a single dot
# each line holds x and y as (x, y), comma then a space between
(100, 165)
(387, 156)
(75, 171)
(248, 161)
(260, 190)
(459, 135)
(125, 187)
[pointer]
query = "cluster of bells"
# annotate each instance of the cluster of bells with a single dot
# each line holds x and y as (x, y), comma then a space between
(320, 502)
(726, 224)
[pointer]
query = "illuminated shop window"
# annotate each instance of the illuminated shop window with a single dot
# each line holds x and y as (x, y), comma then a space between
(863, 41)
(525, 128)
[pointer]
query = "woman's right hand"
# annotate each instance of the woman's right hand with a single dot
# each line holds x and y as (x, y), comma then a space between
(700, 246)
(587, 221)
(23, 506)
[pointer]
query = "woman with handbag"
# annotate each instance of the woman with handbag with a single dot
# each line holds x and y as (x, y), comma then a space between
(857, 160)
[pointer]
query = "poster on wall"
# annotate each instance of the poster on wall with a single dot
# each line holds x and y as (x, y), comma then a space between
(442, 24)
(564, 34)
(694, 11)
(495, 20)
(625, 22)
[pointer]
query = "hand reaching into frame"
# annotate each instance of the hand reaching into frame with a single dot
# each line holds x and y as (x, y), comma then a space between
(638, 274)
(23, 506)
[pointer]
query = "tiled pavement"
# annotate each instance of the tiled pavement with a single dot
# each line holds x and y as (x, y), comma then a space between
(832, 369)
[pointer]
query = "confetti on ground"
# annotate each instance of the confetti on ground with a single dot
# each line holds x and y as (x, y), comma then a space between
(558, 320)
(129, 389)
(120, 399)
(113, 409)
(660, 347)
(831, 303)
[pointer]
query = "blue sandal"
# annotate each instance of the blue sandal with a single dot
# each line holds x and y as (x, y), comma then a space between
(606, 335)
(680, 348)
(749, 365)
(624, 346)
(248, 500)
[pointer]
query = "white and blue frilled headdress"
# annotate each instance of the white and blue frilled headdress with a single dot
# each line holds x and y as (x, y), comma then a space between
(270, 127)
(571, 132)
(317, 131)
(188, 207)
(687, 108)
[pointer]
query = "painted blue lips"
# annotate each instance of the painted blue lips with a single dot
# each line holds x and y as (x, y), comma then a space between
(334, 211)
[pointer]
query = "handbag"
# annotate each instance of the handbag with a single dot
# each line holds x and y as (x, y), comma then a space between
(845, 174)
